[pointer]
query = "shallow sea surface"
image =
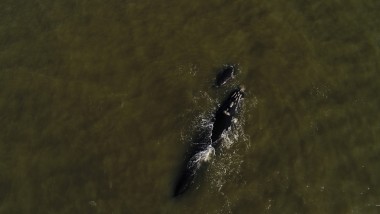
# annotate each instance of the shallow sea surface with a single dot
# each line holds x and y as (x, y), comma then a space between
(99, 101)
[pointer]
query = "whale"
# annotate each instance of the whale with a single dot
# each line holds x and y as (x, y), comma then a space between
(205, 145)
(226, 115)
(226, 74)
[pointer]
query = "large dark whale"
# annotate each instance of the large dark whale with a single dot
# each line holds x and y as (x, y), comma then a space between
(204, 149)
(226, 115)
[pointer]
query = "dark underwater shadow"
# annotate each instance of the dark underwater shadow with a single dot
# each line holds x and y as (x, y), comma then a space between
(189, 169)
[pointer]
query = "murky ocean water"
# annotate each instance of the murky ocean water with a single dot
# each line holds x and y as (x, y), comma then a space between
(100, 99)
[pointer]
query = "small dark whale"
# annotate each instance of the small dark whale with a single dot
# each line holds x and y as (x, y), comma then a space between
(226, 114)
(227, 73)
(204, 148)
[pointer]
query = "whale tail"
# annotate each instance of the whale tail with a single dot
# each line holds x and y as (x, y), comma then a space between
(185, 180)
(188, 175)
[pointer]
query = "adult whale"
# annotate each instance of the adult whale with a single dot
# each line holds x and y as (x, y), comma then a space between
(226, 115)
(222, 122)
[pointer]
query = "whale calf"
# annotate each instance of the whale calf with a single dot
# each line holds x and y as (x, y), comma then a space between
(227, 73)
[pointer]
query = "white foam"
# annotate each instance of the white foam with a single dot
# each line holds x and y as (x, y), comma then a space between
(202, 156)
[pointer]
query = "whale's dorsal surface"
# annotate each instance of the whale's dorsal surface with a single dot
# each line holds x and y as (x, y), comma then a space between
(226, 114)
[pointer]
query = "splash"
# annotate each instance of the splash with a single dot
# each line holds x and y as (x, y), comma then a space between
(202, 157)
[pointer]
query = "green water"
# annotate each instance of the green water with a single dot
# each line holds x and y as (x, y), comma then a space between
(98, 101)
